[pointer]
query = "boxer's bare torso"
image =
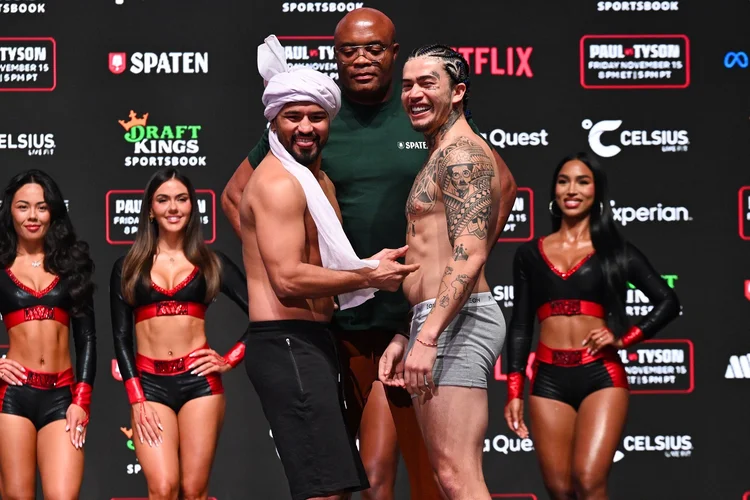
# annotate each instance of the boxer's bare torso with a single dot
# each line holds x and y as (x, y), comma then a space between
(265, 304)
(449, 177)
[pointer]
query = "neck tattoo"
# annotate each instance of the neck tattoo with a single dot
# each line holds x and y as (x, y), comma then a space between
(439, 134)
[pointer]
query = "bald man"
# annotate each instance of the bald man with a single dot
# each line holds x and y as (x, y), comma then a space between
(372, 162)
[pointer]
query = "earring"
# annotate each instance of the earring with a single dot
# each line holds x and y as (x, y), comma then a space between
(601, 207)
(151, 217)
(551, 210)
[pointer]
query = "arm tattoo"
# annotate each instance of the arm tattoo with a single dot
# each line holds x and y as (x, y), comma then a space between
(448, 271)
(460, 253)
(423, 192)
(464, 173)
(460, 285)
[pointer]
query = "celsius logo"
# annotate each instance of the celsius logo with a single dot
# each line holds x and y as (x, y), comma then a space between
(150, 142)
(505, 445)
(732, 59)
(312, 52)
(501, 138)
(33, 144)
(637, 6)
(658, 213)
(26, 7)
(503, 294)
(738, 367)
(321, 6)
(412, 145)
(511, 61)
(670, 446)
(669, 140)
(163, 62)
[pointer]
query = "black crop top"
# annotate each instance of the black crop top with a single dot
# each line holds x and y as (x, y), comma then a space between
(20, 303)
(186, 298)
(538, 287)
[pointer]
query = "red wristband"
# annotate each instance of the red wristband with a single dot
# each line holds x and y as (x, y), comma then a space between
(134, 390)
(632, 336)
(515, 386)
(82, 397)
(235, 355)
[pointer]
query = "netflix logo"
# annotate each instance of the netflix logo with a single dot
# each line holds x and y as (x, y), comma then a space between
(508, 61)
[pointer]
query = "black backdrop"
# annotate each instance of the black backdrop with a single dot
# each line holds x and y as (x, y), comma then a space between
(670, 121)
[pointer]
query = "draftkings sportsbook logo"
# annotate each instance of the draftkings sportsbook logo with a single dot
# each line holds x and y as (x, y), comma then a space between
(520, 225)
(635, 61)
(132, 468)
(667, 140)
(652, 6)
(123, 208)
(182, 63)
(637, 303)
(22, 7)
(28, 64)
(31, 144)
(312, 52)
(161, 145)
(320, 7)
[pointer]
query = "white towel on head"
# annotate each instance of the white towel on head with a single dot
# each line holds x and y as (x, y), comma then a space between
(305, 85)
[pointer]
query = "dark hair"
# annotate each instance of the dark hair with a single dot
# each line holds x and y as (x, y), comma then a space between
(136, 269)
(605, 236)
(64, 254)
(453, 63)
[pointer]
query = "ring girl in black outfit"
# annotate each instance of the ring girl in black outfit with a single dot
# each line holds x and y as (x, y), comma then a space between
(164, 285)
(46, 293)
(574, 280)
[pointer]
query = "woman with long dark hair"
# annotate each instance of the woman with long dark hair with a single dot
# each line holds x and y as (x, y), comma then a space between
(575, 281)
(46, 293)
(163, 286)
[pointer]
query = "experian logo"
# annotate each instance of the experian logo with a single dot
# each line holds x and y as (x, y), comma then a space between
(658, 213)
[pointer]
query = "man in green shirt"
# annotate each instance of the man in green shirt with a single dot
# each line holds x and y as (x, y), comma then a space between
(372, 157)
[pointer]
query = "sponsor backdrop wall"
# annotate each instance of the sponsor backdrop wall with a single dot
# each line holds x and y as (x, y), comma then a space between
(100, 94)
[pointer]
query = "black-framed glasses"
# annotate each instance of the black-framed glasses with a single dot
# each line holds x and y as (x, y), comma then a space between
(372, 51)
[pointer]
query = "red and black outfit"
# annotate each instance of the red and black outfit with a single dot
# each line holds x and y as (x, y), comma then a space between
(45, 397)
(169, 381)
(569, 375)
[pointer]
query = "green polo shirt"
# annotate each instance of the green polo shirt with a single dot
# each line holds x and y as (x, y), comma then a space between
(372, 157)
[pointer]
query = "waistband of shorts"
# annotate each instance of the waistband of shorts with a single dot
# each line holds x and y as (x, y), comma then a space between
(173, 366)
(475, 300)
(48, 380)
(300, 326)
(572, 357)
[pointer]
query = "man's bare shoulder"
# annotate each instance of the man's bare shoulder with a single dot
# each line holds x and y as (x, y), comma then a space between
(271, 183)
(466, 148)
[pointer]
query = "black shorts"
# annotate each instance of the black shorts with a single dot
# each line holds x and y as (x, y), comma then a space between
(170, 383)
(570, 376)
(294, 368)
(43, 399)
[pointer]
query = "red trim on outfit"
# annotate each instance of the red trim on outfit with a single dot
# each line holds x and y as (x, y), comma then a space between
(214, 382)
(632, 336)
(570, 307)
(567, 274)
(578, 357)
(49, 380)
(30, 290)
(617, 373)
(173, 366)
(82, 397)
(179, 286)
(235, 355)
(515, 385)
(170, 308)
(36, 313)
(134, 390)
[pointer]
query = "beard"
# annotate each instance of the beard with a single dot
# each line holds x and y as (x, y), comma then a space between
(304, 157)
